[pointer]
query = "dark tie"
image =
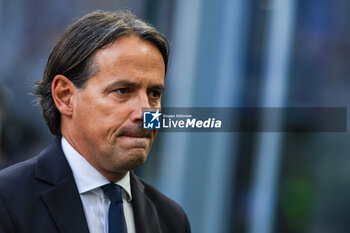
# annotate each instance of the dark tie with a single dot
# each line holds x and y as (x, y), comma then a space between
(116, 220)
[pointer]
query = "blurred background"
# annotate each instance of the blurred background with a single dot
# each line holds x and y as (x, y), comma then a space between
(224, 53)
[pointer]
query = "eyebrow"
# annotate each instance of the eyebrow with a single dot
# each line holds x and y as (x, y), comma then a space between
(127, 83)
(158, 87)
(119, 83)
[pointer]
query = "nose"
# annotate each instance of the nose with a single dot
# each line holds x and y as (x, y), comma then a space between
(141, 102)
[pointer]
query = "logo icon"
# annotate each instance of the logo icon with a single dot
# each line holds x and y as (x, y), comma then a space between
(151, 119)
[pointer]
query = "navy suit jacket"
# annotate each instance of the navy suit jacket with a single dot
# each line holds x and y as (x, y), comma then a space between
(40, 195)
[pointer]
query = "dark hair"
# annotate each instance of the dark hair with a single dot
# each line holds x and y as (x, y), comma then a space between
(73, 55)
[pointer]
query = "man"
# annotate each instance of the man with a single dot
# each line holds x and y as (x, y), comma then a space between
(99, 76)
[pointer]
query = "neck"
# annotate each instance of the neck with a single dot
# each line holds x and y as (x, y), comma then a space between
(110, 176)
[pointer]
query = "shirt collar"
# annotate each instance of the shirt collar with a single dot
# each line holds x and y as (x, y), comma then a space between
(86, 176)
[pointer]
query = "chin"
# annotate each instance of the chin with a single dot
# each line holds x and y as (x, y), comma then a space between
(131, 165)
(134, 160)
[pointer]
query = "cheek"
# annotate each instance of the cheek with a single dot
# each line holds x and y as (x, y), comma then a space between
(101, 115)
(88, 115)
(153, 137)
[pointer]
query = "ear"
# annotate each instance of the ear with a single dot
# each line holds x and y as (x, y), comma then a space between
(62, 92)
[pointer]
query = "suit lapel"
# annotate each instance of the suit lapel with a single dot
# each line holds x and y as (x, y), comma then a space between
(65, 207)
(145, 213)
(62, 200)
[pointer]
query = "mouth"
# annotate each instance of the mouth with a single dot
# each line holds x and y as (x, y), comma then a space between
(138, 134)
(133, 136)
(135, 141)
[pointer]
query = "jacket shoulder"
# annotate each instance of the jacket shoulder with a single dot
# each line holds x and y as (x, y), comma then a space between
(18, 172)
(171, 214)
(157, 196)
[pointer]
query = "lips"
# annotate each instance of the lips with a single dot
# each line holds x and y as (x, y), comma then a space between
(134, 142)
(135, 131)
(135, 136)
(138, 135)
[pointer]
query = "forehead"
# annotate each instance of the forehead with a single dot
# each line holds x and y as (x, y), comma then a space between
(128, 59)
(130, 51)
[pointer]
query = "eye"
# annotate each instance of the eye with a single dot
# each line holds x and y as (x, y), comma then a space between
(155, 94)
(124, 90)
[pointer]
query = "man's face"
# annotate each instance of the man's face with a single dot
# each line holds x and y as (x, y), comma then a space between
(107, 115)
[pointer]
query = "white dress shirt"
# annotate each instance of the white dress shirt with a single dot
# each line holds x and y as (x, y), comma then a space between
(95, 202)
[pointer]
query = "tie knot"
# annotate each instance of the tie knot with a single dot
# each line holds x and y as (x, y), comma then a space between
(113, 192)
